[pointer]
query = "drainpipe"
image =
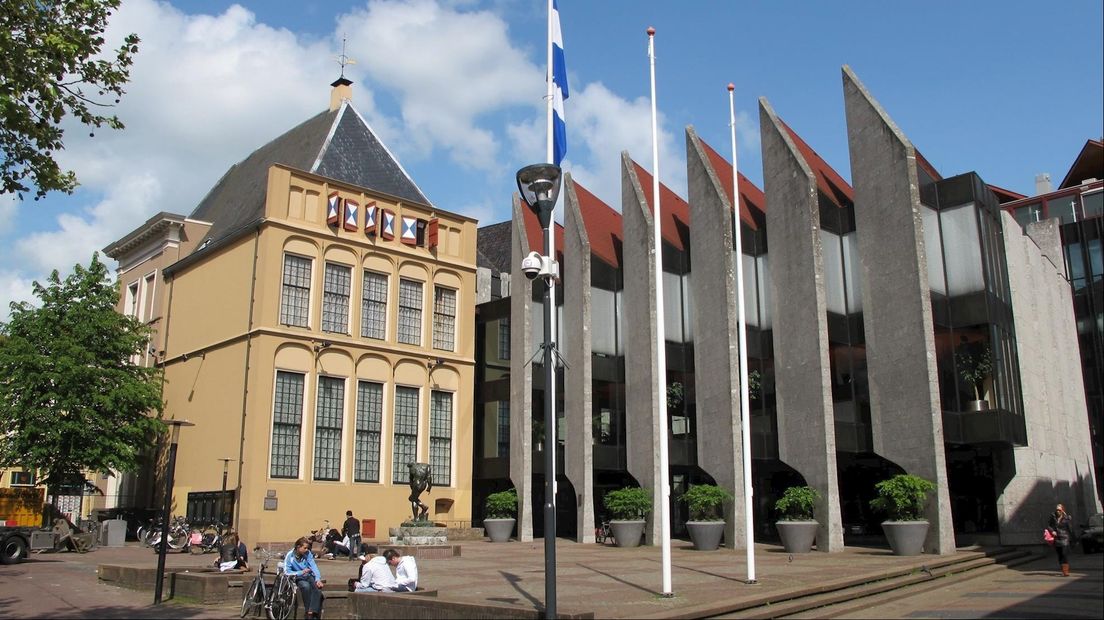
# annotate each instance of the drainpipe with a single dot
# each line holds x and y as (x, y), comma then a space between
(245, 386)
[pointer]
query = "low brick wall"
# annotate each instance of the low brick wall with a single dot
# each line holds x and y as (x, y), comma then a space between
(457, 534)
(134, 577)
(204, 588)
(421, 607)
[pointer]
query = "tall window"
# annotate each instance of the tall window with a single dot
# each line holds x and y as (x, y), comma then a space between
(406, 433)
(504, 428)
(335, 298)
(410, 312)
(440, 437)
(373, 306)
(504, 338)
(295, 294)
(327, 429)
(444, 318)
(287, 422)
(369, 419)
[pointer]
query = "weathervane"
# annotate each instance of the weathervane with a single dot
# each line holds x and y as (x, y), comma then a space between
(344, 59)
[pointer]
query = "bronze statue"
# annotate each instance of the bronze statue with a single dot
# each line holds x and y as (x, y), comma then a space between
(421, 479)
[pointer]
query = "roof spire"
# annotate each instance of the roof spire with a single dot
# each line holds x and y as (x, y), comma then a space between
(341, 86)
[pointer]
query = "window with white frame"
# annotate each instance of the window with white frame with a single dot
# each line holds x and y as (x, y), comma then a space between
(373, 307)
(295, 293)
(336, 288)
(132, 300)
(410, 311)
(369, 422)
(329, 410)
(444, 318)
(405, 442)
(440, 437)
(287, 423)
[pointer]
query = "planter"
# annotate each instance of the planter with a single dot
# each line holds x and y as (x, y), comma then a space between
(627, 533)
(906, 537)
(797, 536)
(977, 405)
(706, 534)
(499, 530)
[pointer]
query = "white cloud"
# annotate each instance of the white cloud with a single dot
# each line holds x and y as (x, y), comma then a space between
(9, 203)
(14, 287)
(447, 69)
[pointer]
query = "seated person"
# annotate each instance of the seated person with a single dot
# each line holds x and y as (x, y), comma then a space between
(233, 554)
(334, 545)
(376, 575)
(406, 574)
(299, 565)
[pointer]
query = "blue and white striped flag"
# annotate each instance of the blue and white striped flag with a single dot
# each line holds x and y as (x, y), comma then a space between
(559, 89)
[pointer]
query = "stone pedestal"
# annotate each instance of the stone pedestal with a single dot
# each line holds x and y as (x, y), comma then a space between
(418, 535)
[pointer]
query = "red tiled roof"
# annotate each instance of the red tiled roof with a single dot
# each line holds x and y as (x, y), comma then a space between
(828, 180)
(535, 233)
(676, 213)
(1089, 164)
(752, 199)
(926, 165)
(1004, 195)
(603, 226)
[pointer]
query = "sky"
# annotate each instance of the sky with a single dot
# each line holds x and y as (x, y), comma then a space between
(455, 88)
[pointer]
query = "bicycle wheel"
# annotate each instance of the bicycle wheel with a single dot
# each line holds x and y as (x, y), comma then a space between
(254, 597)
(177, 538)
(283, 599)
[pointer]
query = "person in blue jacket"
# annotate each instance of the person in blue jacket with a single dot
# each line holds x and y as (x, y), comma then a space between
(299, 564)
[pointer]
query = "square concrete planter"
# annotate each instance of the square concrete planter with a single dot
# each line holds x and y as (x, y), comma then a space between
(797, 536)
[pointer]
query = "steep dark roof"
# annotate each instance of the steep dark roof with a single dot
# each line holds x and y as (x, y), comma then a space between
(337, 144)
(493, 246)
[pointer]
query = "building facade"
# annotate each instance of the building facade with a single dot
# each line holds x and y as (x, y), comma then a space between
(320, 337)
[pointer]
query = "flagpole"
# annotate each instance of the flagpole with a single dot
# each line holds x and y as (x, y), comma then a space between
(550, 435)
(661, 342)
(741, 323)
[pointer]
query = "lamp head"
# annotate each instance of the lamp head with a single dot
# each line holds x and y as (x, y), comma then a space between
(174, 436)
(539, 185)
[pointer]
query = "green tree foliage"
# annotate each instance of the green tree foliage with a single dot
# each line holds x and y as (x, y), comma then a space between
(797, 504)
(628, 504)
(71, 399)
(51, 68)
(903, 497)
(502, 505)
(705, 502)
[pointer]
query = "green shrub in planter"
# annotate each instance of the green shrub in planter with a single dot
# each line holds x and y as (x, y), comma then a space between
(502, 505)
(903, 497)
(705, 502)
(797, 504)
(628, 504)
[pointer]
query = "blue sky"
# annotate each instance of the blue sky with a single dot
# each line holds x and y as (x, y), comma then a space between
(454, 87)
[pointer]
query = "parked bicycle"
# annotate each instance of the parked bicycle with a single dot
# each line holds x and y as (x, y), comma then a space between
(207, 539)
(179, 534)
(602, 533)
(317, 538)
(278, 600)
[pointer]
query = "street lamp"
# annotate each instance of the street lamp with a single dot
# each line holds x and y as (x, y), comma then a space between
(540, 186)
(222, 498)
(174, 438)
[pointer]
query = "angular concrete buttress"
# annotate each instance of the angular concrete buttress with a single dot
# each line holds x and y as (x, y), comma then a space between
(716, 357)
(905, 415)
(521, 377)
(578, 429)
(802, 372)
(639, 319)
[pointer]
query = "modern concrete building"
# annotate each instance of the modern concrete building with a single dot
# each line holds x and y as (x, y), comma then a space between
(900, 325)
(319, 333)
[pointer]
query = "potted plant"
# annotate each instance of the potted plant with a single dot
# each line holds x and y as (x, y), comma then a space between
(975, 366)
(629, 507)
(903, 498)
(797, 526)
(706, 524)
(501, 510)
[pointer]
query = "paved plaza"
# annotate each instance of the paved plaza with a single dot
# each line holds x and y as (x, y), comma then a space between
(608, 581)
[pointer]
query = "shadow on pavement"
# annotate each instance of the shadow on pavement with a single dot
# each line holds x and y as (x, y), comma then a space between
(1077, 596)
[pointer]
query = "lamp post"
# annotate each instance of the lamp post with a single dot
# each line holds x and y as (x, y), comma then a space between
(222, 498)
(540, 187)
(174, 438)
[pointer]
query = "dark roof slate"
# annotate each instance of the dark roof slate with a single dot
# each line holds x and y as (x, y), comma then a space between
(493, 246)
(337, 144)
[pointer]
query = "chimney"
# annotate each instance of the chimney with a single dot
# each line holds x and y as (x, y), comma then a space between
(343, 91)
(1042, 183)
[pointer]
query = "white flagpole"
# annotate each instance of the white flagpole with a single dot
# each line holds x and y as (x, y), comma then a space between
(745, 415)
(554, 315)
(661, 342)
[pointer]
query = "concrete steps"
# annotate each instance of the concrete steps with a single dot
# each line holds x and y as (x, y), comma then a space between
(827, 603)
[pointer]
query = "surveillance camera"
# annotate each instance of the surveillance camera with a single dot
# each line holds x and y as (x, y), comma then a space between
(532, 265)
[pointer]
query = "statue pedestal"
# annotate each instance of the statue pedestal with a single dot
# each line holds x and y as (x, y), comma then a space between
(416, 535)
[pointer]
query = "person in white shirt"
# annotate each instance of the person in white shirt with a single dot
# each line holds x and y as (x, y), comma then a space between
(376, 575)
(406, 574)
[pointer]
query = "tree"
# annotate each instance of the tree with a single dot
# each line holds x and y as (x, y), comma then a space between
(71, 398)
(51, 68)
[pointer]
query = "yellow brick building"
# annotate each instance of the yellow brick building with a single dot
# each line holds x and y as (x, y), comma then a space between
(321, 335)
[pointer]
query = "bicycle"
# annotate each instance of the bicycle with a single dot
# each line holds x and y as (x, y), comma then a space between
(207, 539)
(280, 600)
(602, 533)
